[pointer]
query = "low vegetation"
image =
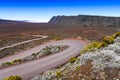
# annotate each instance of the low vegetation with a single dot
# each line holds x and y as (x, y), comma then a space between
(16, 49)
(15, 39)
(57, 38)
(117, 34)
(48, 50)
(13, 78)
(16, 61)
(95, 52)
(98, 58)
(58, 73)
(106, 40)
(72, 59)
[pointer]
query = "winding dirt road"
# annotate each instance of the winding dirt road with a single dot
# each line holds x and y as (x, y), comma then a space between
(32, 68)
(16, 44)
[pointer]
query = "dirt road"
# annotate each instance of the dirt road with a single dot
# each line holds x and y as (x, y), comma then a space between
(42, 37)
(32, 68)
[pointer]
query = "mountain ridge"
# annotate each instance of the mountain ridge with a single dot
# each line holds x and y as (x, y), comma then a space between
(86, 21)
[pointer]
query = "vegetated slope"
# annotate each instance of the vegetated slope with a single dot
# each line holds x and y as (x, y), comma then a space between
(86, 21)
(98, 61)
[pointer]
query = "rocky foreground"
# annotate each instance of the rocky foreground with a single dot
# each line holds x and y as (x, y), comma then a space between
(97, 64)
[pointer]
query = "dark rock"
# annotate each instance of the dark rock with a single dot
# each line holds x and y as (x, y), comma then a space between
(86, 21)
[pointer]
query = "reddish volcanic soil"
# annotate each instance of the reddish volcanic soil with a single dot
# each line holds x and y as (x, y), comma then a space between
(52, 29)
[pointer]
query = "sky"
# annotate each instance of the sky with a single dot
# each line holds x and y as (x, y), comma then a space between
(44, 10)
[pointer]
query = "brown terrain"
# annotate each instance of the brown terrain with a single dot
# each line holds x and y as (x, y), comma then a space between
(81, 25)
(52, 28)
(12, 32)
(87, 73)
(10, 29)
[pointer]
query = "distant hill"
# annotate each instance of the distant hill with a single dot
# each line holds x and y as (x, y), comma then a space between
(12, 21)
(10, 27)
(86, 21)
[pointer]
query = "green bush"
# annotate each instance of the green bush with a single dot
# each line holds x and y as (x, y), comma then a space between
(108, 39)
(57, 38)
(94, 45)
(58, 73)
(104, 44)
(13, 78)
(72, 59)
(101, 44)
(8, 63)
(117, 34)
(77, 67)
(17, 61)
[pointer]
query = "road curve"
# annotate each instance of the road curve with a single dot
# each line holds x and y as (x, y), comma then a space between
(32, 68)
(23, 42)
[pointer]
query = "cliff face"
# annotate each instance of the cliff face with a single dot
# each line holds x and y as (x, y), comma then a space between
(86, 21)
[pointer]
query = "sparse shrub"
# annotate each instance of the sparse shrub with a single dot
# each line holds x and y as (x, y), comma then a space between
(85, 50)
(47, 51)
(117, 34)
(94, 45)
(17, 61)
(58, 73)
(8, 63)
(77, 67)
(57, 38)
(108, 39)
(72, 59)
(12, 62)
(13, 78)
(99, 45)
(104, 44)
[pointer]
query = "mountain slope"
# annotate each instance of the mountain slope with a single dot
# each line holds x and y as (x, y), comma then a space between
(86, 21)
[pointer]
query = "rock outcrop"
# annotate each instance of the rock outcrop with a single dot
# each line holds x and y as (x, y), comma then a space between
(97, 64)
(86, 21)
